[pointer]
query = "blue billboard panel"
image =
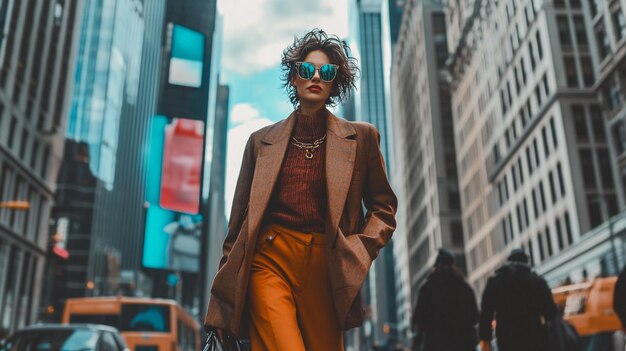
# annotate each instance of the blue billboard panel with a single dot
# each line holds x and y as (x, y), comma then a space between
(187, 57)
(172, 240)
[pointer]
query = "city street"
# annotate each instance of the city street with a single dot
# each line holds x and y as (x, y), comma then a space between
(360, 174)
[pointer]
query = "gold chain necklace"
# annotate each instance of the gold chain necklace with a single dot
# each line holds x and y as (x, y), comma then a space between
(308, 147)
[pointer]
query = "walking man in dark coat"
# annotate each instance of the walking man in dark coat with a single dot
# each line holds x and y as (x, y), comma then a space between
(446, 313)
(521, 302)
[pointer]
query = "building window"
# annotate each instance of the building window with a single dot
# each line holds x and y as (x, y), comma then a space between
(559, 4)
(586, 162)
(619, 23)
(575, 4)
(595, 212)
(536, 150)
(531, 55)
(580, 124)
(555, 142)
(597, 121)
(568, 229)
(581, 33)
(559, 234)
(606, 173)
(612, 94)
(552, 187)
(526, 217)
(539, 46)
(522, 65)
(587, 67)
(542, 254)
(34, 153)
(559, 172)
(544, 137)
(23, 143)
(12, 132)
(564, 32)
(518, 211)
(595, 6)
(570, 71)
(604, 45)
(535, 204)
(521, 171)
(549, 242)
(619, 136)
(542, 196)
(530, 165)
(538, 97)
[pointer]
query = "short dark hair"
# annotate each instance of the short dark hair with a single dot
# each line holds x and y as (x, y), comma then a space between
(339, 54)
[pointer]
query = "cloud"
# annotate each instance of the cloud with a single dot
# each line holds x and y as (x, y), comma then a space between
(242, 113)
(237, 137)
(257, 31)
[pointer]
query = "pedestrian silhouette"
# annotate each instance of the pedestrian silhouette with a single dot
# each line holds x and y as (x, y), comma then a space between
(446, 313)
(520, 301)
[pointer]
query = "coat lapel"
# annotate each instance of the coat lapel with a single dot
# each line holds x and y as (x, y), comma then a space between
(270, 158)
(340, 155)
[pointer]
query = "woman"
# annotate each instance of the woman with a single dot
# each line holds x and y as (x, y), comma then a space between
(298, 246)
(446, 313)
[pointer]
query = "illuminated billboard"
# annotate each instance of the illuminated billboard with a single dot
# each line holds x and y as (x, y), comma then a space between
(187, 57)
(173, 227)
(172, 240)
(182, 165)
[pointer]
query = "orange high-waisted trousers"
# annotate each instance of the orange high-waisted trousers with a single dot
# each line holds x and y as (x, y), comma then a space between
(289, 294)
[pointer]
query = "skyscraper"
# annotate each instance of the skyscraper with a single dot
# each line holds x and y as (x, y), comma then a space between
(370, 33)
(424, 143)
(533, 155)
(37, 57)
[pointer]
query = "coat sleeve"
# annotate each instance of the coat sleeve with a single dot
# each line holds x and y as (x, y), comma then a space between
(472, 315)
(240, 199)
(487, 311)
(379, 200)
(422, 314)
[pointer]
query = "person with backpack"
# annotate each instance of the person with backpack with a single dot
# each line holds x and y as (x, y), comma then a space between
(446, 313)
(521, 303)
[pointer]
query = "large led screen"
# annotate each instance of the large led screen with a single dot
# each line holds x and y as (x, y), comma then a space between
(173, 235)
(187, 57)
(182, 165)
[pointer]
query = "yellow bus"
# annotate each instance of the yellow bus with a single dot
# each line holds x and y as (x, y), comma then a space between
(588, 307)
(146, 324)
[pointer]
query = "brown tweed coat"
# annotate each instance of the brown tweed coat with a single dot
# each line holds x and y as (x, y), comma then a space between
(355, 175)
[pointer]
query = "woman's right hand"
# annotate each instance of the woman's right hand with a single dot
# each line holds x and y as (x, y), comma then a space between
(220, 335)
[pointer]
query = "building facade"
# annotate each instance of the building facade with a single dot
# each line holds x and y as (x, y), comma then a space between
(37, 58)
(425, 145)
(532, 148)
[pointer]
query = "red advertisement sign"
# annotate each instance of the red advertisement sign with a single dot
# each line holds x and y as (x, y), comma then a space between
(182, 166)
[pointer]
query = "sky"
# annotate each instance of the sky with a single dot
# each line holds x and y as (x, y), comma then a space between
(255, 34)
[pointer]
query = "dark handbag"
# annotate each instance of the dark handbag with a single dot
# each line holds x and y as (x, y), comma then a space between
(561, 335)
(230, 343)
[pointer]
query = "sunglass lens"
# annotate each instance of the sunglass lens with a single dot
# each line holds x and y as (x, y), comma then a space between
(328, 72)
(306, 70)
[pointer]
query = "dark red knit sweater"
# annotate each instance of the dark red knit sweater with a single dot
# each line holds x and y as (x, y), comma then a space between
(299, 198)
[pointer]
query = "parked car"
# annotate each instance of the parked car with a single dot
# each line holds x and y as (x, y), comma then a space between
(65, 337)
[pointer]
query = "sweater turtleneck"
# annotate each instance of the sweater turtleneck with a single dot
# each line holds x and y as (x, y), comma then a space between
(299, 199)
